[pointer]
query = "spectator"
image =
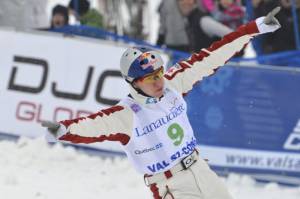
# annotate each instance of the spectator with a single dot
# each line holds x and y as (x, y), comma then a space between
(201, 29)
(84, 14)
(60, 17)
(283, 39)
(229, 12)
(208, 5)
(172, 32)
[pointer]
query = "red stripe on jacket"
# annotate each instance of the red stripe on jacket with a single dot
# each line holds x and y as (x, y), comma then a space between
(123, 138)
(107, 112)
(250, 28)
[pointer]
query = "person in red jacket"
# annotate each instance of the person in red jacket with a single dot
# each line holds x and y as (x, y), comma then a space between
(151, 123)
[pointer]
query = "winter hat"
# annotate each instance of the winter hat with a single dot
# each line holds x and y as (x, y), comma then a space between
(83, 6)
(59, 9)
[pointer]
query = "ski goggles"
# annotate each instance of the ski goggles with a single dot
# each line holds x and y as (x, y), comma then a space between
(156, 75)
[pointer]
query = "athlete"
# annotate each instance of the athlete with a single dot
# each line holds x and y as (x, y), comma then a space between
(151, 123)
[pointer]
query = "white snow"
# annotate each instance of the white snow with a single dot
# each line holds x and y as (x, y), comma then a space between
(32, 169)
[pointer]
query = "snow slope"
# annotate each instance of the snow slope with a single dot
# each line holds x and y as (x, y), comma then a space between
(31, 169)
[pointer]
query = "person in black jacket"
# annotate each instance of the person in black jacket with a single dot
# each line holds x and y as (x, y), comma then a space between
(284, 38)
(201, 29)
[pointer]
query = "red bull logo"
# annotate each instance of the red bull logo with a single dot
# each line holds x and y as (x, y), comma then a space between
(147, 60)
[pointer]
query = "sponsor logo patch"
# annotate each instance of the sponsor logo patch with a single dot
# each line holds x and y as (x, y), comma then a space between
(173, 69)
(135, 107)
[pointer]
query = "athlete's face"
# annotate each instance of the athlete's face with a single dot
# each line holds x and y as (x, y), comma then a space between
(153, 84)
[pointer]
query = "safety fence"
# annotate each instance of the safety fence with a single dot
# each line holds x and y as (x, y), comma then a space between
(288, 58)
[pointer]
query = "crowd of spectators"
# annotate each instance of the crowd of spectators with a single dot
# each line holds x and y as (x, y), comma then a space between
(198, 22)
(185, 25)
(189, 25)
(82, 12)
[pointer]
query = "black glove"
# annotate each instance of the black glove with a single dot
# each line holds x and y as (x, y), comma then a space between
(268, 23)
(270, 18)
(51, 126)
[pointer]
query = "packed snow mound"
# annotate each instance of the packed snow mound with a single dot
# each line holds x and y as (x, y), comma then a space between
(32, 169)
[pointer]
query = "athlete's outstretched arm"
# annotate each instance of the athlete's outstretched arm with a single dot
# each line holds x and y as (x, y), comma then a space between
(112, 124)
(183, 75)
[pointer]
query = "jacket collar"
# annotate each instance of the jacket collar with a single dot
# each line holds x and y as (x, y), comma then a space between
(141, 99)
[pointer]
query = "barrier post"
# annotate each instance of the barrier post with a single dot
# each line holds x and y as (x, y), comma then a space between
(76, 8)
(296, 26)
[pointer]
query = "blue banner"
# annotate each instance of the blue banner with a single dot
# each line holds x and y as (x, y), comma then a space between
(252, 115)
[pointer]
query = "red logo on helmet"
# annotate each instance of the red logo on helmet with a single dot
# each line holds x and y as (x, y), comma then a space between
(147, 60)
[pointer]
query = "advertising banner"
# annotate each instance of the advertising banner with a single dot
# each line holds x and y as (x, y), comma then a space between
(52, 77)
(248, 119)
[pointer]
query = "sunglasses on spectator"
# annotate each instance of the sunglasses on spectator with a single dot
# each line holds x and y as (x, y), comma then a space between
(156, 75)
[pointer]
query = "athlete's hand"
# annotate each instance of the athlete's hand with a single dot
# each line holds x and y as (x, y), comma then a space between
(268, 23)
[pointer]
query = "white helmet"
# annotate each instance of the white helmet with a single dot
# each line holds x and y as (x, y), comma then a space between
(137, 62)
